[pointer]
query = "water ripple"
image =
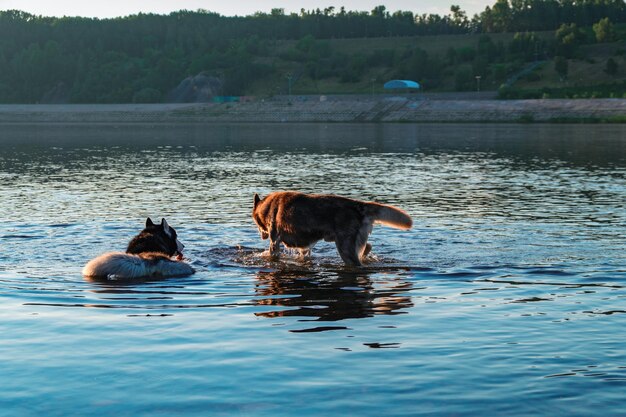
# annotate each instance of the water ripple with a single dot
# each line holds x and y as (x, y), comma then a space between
(512, 279)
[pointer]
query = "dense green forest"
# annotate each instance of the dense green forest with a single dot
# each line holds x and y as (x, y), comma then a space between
(142, 58)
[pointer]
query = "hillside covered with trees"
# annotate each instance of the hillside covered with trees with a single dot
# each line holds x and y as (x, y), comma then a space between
(143, 58)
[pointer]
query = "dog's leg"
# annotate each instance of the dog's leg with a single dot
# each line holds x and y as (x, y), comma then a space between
(347, 247)
(366, 250)
(305, 253)
(274, 242)
(275, 248)
(362, 246)
(347, 251)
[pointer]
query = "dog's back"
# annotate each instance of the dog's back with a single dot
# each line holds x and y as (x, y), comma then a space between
(120, 265)
(294, 210)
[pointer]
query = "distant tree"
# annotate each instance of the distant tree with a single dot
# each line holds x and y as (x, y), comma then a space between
(465, 53)
(525, 45)
(604, 30)
(381, 57)
(502, 15)
(540, 15)
(451, 56)
(380, 12)
(568, 37)
(611, 67)
(479, 66)
(486, 48)
(418, 65)
(354, 69)
(569, 34)
(499, 72)
(496, 18)
(561, 66)
(458, 17)
(464, 79)
(306, 44)
(277, 12)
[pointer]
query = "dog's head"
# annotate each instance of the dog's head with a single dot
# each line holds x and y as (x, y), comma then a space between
(167, 235)
(258, 218)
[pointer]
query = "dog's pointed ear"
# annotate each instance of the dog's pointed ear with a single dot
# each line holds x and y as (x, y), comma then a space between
(166, 227)
(257, 200)
(149, 222)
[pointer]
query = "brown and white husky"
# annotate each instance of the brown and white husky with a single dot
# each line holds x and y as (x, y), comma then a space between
(299, 220)
(148, 255)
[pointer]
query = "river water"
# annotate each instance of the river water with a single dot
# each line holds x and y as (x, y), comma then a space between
(506, 298)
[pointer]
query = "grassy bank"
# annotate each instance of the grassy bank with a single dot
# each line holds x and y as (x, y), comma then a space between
(191, 56)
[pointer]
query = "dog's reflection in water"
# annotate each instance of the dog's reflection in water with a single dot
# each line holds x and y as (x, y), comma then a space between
(331, 296)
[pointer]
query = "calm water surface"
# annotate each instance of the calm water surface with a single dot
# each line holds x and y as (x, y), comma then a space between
(506, 298)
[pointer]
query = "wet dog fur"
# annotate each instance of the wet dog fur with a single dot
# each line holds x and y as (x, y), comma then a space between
(148, 255)
(300, 220)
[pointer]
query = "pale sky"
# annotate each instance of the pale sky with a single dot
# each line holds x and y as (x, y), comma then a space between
(114, 8)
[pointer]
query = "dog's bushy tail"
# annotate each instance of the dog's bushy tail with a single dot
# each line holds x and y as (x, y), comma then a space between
(390, 216)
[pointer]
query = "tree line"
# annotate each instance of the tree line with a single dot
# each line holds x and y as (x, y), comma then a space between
(141, 57)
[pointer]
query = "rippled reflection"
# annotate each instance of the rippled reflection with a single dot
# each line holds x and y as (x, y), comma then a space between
(339, 296)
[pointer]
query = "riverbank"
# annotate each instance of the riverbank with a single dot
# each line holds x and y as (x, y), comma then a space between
(399, 109)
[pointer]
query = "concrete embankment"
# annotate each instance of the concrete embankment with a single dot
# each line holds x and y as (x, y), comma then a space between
(309, 109)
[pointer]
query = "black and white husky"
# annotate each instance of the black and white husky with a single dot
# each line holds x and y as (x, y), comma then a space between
(148, 255)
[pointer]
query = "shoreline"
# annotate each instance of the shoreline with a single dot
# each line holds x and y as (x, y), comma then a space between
(313, 109)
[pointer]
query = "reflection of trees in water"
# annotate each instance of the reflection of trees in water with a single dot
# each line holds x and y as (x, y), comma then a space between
(339, 296)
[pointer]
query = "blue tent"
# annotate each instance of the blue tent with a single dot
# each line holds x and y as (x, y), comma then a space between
(404, 84)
